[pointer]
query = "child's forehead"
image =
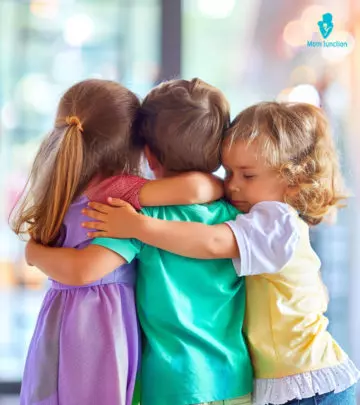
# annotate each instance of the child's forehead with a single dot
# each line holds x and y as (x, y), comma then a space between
(240, 152)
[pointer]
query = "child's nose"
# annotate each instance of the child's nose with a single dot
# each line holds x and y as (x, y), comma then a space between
(234, 186)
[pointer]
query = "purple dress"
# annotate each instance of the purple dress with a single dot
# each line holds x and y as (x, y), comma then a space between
(85, 348)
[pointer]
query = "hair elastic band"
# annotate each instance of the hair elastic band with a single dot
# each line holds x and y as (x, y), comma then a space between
(74, 121)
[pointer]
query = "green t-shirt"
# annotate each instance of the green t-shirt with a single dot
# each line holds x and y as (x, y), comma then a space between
(191, 312)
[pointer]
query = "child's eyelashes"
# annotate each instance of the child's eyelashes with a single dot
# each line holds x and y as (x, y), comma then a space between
(229, 173)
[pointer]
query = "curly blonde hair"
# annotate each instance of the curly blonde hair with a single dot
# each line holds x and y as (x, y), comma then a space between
(296, 141)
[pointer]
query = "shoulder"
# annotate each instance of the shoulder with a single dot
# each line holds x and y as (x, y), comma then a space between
(119, 180)
(225, 205)
(267, 237)
(223, 210)
(272, 208)
(271, 223)
(123, 186)
(129, 179)
(273, 214)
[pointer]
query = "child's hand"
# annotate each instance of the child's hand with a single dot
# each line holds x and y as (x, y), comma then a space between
(111, 222)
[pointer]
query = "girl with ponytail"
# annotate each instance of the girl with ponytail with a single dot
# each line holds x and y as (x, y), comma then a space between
(85, 348)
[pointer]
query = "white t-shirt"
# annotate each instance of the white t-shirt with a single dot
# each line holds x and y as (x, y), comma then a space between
(267, 238)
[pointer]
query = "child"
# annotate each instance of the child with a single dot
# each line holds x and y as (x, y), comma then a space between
(85, 346)
(191, 311)
(282, 172)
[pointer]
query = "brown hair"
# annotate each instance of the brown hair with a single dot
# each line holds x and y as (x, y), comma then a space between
(296, 141)
(183, 122)
(92, 136)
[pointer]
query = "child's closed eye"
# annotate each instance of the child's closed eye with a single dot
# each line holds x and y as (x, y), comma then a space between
(249, 176)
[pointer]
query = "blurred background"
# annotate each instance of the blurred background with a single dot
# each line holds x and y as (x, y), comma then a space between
(253, 50)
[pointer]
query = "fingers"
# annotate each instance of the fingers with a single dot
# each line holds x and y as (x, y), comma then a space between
(97, 234)
(99, 207)
(99, 226)
(94, 214)
(116, 202)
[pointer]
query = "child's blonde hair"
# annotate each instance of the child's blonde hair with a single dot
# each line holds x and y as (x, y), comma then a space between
(296, 141)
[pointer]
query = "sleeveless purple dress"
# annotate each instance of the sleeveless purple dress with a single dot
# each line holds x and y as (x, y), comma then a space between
(85, 348)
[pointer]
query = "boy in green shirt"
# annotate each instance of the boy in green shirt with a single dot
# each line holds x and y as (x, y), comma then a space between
(191, 311)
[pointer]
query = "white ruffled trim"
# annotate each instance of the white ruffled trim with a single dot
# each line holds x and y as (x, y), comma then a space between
(306, 385)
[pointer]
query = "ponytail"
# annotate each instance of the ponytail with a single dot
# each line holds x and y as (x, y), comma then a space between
(54, 184)
(64, 181)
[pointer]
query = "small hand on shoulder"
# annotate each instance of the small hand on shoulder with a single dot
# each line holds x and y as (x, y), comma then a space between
(116, 220)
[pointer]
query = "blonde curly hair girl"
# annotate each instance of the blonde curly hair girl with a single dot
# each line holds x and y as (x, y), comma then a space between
(296, 141)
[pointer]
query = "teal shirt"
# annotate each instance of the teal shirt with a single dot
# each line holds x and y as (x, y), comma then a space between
(191, 312)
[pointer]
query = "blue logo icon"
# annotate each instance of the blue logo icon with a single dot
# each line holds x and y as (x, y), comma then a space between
(326, 25)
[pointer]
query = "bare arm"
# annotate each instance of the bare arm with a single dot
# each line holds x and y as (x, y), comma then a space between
(73, 266)
(191, 239)
(186, 188)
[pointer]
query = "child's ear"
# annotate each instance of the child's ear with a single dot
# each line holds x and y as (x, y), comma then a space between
(149, 157)
(152, 160)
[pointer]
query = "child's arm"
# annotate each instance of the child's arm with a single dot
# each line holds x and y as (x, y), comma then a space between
(191, 239)
(186, 188)
(183, 189)
(73, 266)
(262, 241)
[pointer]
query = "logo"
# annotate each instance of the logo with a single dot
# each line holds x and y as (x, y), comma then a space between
(326, 25)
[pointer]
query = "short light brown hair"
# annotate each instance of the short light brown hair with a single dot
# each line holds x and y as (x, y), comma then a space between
(92, 136)
(296, 140)
(183, 122)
